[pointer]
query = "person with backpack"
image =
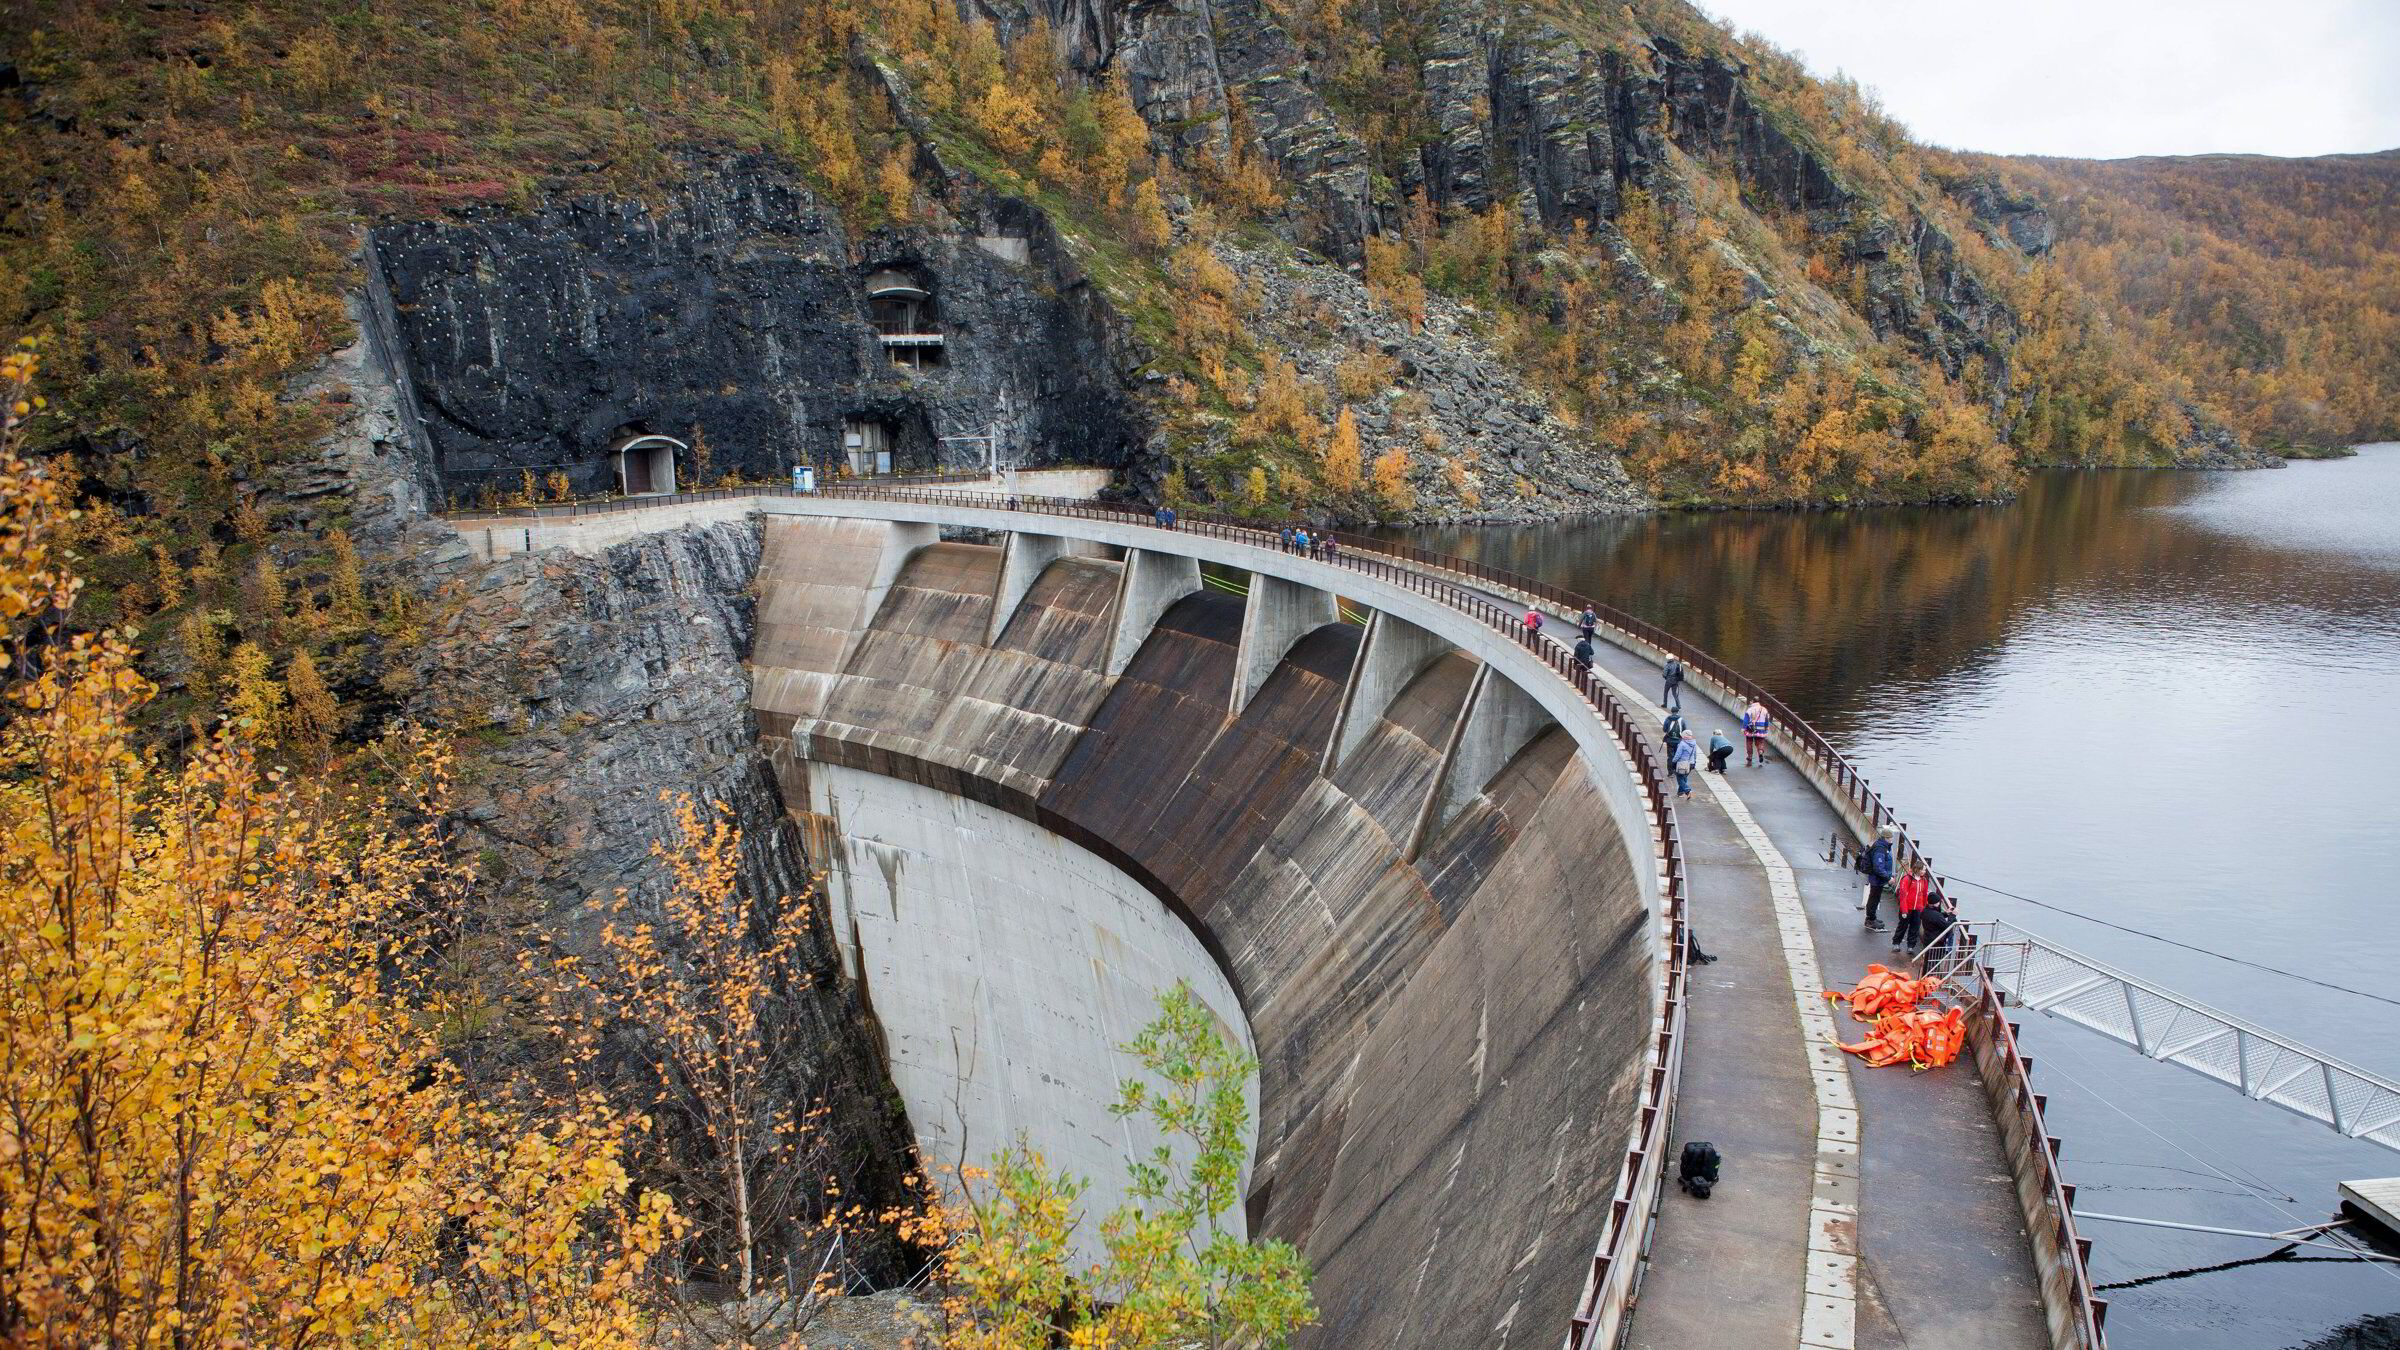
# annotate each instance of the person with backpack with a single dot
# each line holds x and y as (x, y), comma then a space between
(1911, 895)
(1589, 623)
(1533, 627)
(1720, 750)
(1754, 735)
(1672, 730)
(1673, 697)
(1878, 864)
(1583, 654)
(1686, 757)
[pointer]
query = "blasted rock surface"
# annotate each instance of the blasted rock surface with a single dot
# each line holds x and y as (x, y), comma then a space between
(735, 311)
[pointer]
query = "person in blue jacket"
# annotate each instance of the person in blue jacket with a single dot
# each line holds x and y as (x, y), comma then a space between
(1879, 862)
(1720, 750)
(1686, 758)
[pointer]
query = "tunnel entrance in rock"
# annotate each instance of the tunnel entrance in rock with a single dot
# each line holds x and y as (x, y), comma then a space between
(642, 463)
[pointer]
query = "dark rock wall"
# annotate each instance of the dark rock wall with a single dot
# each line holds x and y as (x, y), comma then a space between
(590, 687)
(735, 310)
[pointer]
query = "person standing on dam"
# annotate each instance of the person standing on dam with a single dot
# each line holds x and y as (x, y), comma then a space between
(1583, 654)
(1686, 757)
(1589, 623)
(1910, 898)
(1878, 863)
(1754, 735)
(1672, 731)
(1673, 676)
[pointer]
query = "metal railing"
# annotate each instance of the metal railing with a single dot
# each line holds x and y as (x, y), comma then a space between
(2076, 1314)
(602, 506)
(2034, 973)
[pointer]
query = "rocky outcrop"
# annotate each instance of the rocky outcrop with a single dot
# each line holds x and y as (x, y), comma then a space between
(581, 692)
(592, 688)
(1451, 400)
(2020, 221)
(734, 314)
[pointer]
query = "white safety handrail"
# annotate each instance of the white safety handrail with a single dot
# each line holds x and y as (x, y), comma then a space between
(2033, 972)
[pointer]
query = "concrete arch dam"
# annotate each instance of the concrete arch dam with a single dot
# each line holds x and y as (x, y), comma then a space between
(1054, 773)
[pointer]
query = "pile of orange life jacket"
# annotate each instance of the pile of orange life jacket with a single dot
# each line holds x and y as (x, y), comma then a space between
(1925, 1037)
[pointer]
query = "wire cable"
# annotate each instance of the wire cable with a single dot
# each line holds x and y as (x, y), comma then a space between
(2137, 932)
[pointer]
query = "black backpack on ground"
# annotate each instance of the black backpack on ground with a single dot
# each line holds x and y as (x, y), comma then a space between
(1697, 1172)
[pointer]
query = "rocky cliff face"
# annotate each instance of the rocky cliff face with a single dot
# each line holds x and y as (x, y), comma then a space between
(734, 314)
(583, 692)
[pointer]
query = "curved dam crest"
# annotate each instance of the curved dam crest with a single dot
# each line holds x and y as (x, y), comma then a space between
(1414, 884)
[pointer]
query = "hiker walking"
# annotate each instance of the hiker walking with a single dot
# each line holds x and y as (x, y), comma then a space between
(1589, 623)
(1533, 628)
(1878, 864)
(1673, 697)
(1754, 735)
(1685, 759)
(1672, 730)
(1583, 654)
(1720, 750)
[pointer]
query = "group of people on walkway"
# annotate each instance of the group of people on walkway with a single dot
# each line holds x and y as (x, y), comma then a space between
(1297, 540)
(1922, 916)
(1683, 746)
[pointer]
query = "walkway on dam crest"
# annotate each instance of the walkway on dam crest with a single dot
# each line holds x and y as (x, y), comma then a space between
(1903, 1229)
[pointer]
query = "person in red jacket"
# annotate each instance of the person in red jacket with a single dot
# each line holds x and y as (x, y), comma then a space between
(1915, 919)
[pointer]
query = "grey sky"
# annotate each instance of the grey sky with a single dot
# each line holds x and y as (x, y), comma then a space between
(2105, 78)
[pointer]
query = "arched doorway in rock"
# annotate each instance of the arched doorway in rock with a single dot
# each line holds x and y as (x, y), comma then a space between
(644, 464)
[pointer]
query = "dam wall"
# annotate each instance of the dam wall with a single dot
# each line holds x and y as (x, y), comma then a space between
(1005, 967)
(1431, 895)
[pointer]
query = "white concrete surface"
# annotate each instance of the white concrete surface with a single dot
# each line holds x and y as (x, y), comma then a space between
(1006, 965)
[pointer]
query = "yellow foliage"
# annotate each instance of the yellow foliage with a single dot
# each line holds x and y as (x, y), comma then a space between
(1392, 275)
(1342, 469)
(898, 190)
(1149, 225)
(220, 1126)
(1391, 480)
(1009, 120)
(1254, 488)
(1280, 416)
(1364, 374)
(314, 719)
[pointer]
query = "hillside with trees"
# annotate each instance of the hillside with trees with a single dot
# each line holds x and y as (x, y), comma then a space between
(2272, 285)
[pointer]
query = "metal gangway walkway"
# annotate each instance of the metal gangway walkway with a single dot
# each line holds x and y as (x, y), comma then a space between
(2032, 972)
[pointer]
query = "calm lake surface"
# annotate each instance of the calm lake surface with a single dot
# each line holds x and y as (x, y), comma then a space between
(2167, 700)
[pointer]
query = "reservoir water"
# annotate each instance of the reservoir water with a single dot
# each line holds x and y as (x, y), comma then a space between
(2153, 701)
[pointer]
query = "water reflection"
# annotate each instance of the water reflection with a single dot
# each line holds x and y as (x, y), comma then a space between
(2156, 699)
(1837, 610)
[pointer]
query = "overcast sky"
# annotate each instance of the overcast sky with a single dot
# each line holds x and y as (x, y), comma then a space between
(2104, 78)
